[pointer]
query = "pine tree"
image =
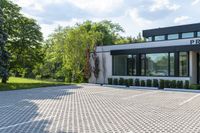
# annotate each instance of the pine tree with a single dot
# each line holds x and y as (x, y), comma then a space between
(4, 55)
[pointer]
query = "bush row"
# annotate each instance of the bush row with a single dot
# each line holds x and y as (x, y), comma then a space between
(150, 83)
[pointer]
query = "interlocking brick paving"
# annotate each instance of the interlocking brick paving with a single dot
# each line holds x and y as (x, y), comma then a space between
(96, 109)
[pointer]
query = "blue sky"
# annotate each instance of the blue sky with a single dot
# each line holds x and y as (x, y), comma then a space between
(133, 15)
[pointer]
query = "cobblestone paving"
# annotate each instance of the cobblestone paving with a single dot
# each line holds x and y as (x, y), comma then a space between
(95, 109)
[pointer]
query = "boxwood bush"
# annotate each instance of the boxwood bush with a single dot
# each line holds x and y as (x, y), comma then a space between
(173, 84)
(110, 81)
(130, 82)
(195, 87)
(187, 84)
(121, 81)
(179, 84)
(142, 83)
(137, 82)
(115, 81)
(162, 84)
(149, 83)
(126, 82)
(155, 83)
(167, 84)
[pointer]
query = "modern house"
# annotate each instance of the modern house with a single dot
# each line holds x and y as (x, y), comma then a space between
(170, 53)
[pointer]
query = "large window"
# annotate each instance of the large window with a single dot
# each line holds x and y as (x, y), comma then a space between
(171, 64)
(149, 39)
(159, 38)
(173, 36)
(124, 65)
(183, 64)
(157, 64)
(143, 65)
(188, 35)
(198, 34)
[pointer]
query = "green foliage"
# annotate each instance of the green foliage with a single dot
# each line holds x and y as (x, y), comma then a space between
(173, 84)
(149, 83)
(167, 84)
(126, 83)
(179, 84)
(4, 55)
(24, 83)
(162, 84)
(110, 81)
(96, 64)
(121, 81)
(137, 82)
(115, 81)
(143, 83)
(187, 84)
(155, 83)
(195, 87)
(130, 82)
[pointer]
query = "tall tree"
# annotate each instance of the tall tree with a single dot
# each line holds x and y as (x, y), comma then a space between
(4, 55)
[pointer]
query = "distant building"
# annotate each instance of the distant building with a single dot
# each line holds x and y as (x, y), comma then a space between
(170, 53)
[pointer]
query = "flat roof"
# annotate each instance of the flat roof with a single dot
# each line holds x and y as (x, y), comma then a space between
(172, 30)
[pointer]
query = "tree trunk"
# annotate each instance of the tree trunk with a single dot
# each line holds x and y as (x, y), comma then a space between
(4, 80)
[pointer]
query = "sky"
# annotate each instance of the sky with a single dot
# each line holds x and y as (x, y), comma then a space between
(133, 15)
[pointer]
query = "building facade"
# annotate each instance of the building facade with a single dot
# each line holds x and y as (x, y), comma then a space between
(171, 53)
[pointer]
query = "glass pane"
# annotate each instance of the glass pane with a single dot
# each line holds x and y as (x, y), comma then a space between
(172, 36)
(198, 34)
(159, 38)
(183, 64)
(188, 35)
(134, 64)
(129, 64)
(157, 64)
(172, 60)
(142, 64)
(149, 39)
(120, 65)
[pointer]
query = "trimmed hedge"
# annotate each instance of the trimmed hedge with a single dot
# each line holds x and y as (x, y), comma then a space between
(162, 84)
(121, 81)
(179, 84)
(187, 84)
(155, 83)
(137, 82)
(115, 81)
(195, 87)
(110, 81)
(167, 84)
(143, 83)
(173, 84)
(149, 83)
(130, 82)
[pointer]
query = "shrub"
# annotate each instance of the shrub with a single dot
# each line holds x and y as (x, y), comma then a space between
(130, 82)
(173, 84)
(155, 83)
(142, 83)
(110, 81)
(187, 84)
(195, 87)
(167, 84)
(179, 84)
(137, 82)
(149, 83)
(126, 82)
(115, 82)
(162, 84)
(121, 81)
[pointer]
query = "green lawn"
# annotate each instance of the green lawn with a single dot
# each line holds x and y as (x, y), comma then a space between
(23, 83)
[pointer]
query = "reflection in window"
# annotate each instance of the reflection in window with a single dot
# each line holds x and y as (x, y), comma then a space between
(129, 63)
(143, 64)
(120, 65)
(159, 38)
(172, 63)
(149, 39)
(188, 35)
(172, 36)
(157, 64)
(198, 34)
(183, 64)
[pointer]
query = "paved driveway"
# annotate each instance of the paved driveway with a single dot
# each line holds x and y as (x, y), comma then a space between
(95, 109)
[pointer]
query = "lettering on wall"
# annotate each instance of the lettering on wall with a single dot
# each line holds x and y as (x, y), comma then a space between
(196, 41)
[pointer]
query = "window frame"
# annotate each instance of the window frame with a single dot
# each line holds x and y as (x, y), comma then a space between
(187, 33)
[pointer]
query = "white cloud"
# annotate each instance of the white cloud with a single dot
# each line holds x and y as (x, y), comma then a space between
(163, 4)
(195, 2)
(181, 19)
(96, 6)
(137, 19)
